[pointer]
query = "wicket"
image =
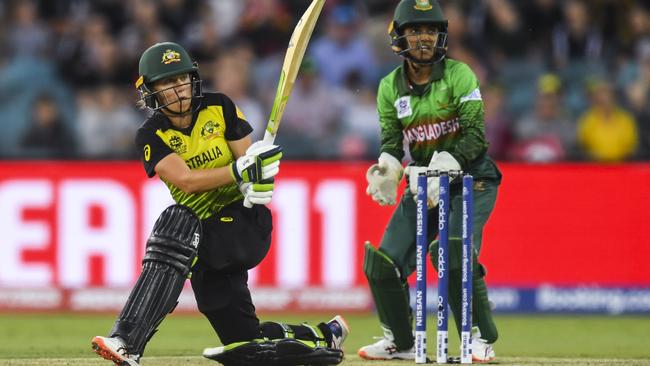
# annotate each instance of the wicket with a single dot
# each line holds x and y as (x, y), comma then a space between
(442, 355)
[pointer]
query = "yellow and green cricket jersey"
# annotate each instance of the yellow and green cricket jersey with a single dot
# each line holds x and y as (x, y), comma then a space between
(203, 145)
(446, 114)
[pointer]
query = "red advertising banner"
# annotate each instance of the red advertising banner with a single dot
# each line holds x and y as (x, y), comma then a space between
(81, 225)
(570, 224)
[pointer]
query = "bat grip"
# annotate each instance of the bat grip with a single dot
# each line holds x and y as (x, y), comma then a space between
(269, 138)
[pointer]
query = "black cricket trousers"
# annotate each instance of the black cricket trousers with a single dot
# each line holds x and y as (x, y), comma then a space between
(235, 240)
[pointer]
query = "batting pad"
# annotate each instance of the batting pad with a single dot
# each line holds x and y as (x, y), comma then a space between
(171, 250)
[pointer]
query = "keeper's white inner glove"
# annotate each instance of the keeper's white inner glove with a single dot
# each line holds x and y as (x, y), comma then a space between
(440, 161)
(383, 179)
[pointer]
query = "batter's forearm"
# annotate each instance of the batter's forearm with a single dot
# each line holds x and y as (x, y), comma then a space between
(174, 170)
(203, 180)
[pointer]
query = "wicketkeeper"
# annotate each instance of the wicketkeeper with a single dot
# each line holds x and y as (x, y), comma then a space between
(199, 145)
(435, 104)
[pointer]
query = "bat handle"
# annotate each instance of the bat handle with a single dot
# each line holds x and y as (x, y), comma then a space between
(268, 138)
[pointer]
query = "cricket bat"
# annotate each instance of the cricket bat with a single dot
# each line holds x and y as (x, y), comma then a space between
(290, 66)
(292, 60)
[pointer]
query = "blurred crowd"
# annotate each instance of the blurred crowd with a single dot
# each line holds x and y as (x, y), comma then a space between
(562, 80)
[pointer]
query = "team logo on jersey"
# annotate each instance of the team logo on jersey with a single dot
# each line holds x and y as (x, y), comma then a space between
(210, 130)
(147, 152)
(403, 106)
(479, 186)
(240, 114)
(176, 143)
(422, 5)
(170, 56)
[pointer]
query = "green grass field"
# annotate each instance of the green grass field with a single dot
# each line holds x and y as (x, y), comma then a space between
(57, 340)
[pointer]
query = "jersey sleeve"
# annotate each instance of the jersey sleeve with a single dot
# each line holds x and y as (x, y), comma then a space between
(237, 127)
(472, 143)
(391, 127)
(151, 148)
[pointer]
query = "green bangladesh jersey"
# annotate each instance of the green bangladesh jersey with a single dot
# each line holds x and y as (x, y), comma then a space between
(444, 115)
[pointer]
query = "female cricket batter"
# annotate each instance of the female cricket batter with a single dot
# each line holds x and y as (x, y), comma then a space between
(199, 145)
(435, 104)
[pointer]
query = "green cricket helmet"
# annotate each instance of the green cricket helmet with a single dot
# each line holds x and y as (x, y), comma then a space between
(414, 12)
(161, 61)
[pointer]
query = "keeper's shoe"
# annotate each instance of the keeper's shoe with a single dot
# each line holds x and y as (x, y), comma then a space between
(385, 349)
(482, 351)
(113, 349)
(340, 331)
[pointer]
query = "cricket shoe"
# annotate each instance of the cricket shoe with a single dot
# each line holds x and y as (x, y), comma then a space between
(482, 351)
(340, 330)
(385, 349)
(114, 349)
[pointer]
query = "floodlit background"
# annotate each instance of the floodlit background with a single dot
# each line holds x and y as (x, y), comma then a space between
(566, 87)
(68, 68)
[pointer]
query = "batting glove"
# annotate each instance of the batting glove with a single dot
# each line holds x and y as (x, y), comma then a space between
(260, 193)
(259, 163)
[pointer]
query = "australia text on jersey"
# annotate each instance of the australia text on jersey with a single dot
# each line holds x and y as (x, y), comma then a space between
(431, 131)
(203, 158)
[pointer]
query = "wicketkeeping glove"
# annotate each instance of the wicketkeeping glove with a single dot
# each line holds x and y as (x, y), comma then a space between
(259, 163)
(440, 161)
(383, 179)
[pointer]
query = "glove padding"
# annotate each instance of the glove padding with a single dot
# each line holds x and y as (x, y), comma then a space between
(260, 193)
(260, 162)
(383, 179)
(440, 161)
